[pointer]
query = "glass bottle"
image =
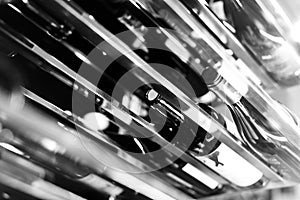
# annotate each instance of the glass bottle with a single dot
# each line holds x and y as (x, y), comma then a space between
(224, 160)
(208, 149)
(257, 132)
(255, 31)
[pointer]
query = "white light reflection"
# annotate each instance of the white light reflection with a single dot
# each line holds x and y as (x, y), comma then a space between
(82, 57)
(11, 148)
(91, 17)
(199, 175)
(231, 28)
(60, 124)
(273, 38)
(295, 32)
(96, 121)
(139, 145)
(49, 144)
(203, 2)
(179, 180)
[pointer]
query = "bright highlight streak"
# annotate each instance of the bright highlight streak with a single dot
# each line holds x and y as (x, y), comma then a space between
(11, 148)
(295, 32)
(199, 175)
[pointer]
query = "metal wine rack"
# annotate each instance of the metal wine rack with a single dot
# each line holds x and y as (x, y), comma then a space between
(137, 173)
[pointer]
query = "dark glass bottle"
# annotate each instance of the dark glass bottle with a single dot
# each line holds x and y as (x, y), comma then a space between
(164, 112)
(203, 146)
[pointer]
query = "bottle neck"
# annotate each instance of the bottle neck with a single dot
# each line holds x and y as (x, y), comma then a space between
(223, 88)
(226, 92)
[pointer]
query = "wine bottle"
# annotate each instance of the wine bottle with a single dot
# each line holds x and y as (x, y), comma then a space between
(263, 40)
(259, 133)
(203, 146)
(165, 113)
(220, 158)
(168, 123)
